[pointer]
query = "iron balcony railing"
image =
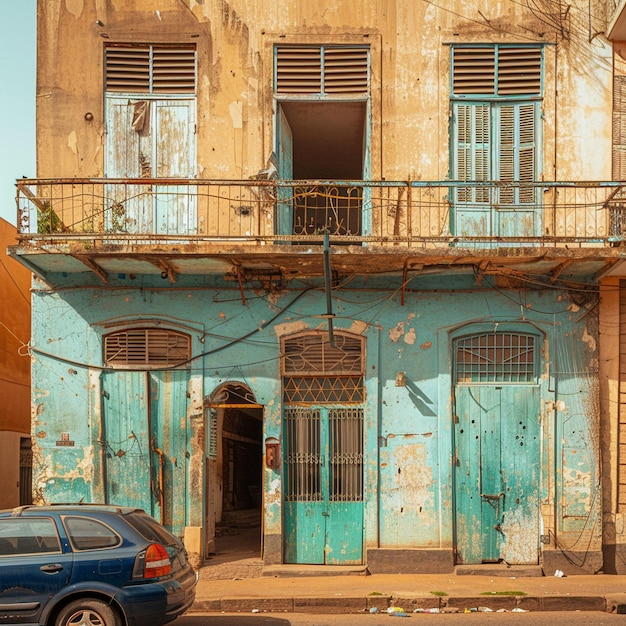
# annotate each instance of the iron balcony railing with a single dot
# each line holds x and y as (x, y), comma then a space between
(414, 213)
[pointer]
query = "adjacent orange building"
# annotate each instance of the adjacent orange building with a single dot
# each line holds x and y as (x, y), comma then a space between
(15, 443)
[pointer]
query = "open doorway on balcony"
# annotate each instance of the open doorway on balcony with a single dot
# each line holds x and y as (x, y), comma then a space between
(322, 95)
(323, 141)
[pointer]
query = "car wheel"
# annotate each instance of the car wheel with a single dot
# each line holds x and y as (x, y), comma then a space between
(87, 612)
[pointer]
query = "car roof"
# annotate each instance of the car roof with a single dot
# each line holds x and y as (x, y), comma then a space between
(71, 507)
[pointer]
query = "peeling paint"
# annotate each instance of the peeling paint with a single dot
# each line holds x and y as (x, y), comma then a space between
(358, 327)
(589, 340)
(72, 142)
(236, 113)
(289, 328)
(75, 7)
(396, 332)
(520, 530)
(410, 337)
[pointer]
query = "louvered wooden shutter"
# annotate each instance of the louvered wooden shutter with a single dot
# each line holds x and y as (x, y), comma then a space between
(516, 150)
(473, 145)
(519, 71)
(619, 128)
(495, 148)
(150, 69)
(322, 69)
(496, 70)
(146, 347)
(474, 70)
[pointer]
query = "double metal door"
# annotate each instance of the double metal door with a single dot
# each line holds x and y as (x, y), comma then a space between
(323, 485)
(145, 443)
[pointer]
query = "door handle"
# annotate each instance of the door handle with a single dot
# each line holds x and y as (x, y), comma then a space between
(325, 514)
(492, 496)
(53, 568)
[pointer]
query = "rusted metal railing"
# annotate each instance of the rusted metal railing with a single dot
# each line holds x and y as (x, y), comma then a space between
(270, 211)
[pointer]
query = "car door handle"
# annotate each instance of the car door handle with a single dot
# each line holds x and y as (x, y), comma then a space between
(53, 568)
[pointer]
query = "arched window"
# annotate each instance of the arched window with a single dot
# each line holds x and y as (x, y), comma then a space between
(315, 372)
(500, 357)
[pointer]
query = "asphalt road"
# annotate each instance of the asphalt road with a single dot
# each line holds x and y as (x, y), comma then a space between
(569, 618)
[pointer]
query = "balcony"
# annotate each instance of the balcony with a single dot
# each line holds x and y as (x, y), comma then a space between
(177, 226)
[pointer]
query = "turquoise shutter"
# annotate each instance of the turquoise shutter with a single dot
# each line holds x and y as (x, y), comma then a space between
(473, 147)
(516, 149)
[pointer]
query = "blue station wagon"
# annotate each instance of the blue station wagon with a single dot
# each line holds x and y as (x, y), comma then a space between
(91, 565)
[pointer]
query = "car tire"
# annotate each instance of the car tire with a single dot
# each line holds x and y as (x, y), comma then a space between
(88, 612)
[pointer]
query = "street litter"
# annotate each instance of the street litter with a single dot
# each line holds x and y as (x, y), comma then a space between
(396, 611)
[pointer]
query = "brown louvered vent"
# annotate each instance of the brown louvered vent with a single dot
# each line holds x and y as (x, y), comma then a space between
(322, 69)
(151, 69)
(516, 72)
(146, 347)
(619, 128)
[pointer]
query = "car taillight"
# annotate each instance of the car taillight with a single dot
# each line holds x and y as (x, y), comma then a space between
(157, 562)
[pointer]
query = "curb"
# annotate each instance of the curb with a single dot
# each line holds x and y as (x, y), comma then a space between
(616, 603)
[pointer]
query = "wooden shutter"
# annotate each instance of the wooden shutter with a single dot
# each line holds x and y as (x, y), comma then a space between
(150, 69)
(146, 347)
(619, 128)
(496, 70)
(473, 149)
(516, 150)
(322, 69)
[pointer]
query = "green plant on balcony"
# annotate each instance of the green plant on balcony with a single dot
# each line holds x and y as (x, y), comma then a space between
(47, 219)
(118, 219)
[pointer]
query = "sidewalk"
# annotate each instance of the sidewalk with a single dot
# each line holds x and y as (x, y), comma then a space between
(236, 581)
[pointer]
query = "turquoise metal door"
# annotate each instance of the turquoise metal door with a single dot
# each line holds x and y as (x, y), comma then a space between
(497, 464)
(145, 440)
(324, 486)
(168, 420)
(126, 439)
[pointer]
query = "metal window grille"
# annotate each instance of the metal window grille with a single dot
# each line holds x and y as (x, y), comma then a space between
(141, 347)
(212, 433)
(322, 69)
(150, 69)
(303, 465)
(496, 70)
(26, 471)
(496, 358)
(346, 455)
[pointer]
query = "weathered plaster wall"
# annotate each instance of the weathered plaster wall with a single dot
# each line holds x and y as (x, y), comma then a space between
(609, 366)
(410, 85)
(408, 429)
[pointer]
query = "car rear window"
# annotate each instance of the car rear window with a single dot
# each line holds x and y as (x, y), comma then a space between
(28, 536)
(90, 534)
(150, 528)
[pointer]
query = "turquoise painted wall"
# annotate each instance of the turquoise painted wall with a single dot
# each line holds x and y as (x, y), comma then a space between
(408, 478)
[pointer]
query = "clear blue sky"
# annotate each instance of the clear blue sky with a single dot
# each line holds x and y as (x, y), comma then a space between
(17, 102)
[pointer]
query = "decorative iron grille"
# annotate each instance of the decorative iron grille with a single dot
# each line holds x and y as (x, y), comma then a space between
(303, 465)
(316, 372)
(496, 358)
(346, 455)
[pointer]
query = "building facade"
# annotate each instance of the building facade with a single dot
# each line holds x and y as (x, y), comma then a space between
(15, 442)
(353, 270)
